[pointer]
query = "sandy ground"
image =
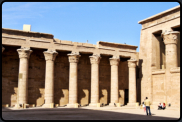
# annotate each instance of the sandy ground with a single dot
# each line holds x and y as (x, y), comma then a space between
(88, 113)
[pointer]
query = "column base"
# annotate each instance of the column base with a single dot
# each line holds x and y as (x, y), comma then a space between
(94, 104)
(49, 105)
(132, 104)
(72, 105)
(114, 104)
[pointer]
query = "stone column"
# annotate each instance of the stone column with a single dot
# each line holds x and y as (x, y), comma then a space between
(50, 57)
(73, 59)
(94, 60)
(3, 48)
(132, 82)
(170, 41)
(114, 62)
(24, 54)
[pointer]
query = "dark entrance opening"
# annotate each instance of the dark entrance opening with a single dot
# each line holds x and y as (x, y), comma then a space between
(125, 96)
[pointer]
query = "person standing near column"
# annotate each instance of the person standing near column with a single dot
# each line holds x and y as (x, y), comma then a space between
(147, 104)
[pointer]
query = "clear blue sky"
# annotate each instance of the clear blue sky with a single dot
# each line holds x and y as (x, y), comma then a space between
(81, 21)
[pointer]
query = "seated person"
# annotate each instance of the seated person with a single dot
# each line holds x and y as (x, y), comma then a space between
(159, 106)
(164, 106)
(169, 104)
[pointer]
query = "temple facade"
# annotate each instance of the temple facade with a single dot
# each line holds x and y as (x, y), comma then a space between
(39, 70)
(159, 58)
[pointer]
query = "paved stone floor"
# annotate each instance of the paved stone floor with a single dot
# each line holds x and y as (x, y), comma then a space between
(87, 113)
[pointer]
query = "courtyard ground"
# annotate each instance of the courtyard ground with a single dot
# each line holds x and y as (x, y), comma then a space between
(87, 113)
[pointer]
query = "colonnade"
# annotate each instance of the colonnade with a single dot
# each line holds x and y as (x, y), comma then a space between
(50, 56)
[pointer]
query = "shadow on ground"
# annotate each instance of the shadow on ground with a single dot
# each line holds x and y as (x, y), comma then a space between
(72, 114)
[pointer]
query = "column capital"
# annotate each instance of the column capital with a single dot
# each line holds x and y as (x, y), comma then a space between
(24, 52)
(132, 63)
(50, 55)
(114, 61)
(74, 57)
(170, 37)
(95, 59)
(3, 48)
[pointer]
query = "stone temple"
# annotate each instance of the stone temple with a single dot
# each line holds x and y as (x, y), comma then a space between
(41, 71)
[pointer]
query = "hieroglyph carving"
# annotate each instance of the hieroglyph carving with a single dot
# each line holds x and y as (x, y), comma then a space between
(50, 55)
(24, 53)
(95, 59)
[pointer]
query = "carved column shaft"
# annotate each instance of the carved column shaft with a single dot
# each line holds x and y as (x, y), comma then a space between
(24, 55)
(114, 62)
(49, 77)
(170, 41)
(73, 59)
(132, 81)
(95, 60)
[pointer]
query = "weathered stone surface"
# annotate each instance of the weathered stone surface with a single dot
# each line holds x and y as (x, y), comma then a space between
(132, 81)
(24, 55)
(114, 62)
(95, 60)
(73, 85)
(50, 56)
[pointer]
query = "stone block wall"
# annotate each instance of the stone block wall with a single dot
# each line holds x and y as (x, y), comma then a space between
(61, 78)
(84, 79)
(10, 68)
(104, 79)
(173, 90)
(159, 94)
(36, 77)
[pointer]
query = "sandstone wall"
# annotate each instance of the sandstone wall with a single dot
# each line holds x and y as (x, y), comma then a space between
(149, 56)
(173, 90)
(159, 93)
(36, 77)
(10, 68)
(61, 78)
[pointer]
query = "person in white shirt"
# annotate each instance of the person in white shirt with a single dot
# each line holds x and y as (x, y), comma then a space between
(144, 107)
(160, 106)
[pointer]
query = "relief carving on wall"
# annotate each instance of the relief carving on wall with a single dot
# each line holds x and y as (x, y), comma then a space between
(24, 52)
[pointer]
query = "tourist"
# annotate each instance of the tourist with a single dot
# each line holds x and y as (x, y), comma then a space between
(147, 104)
(169, 104)
(144, 107)
(159, 106)
(164, 106)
